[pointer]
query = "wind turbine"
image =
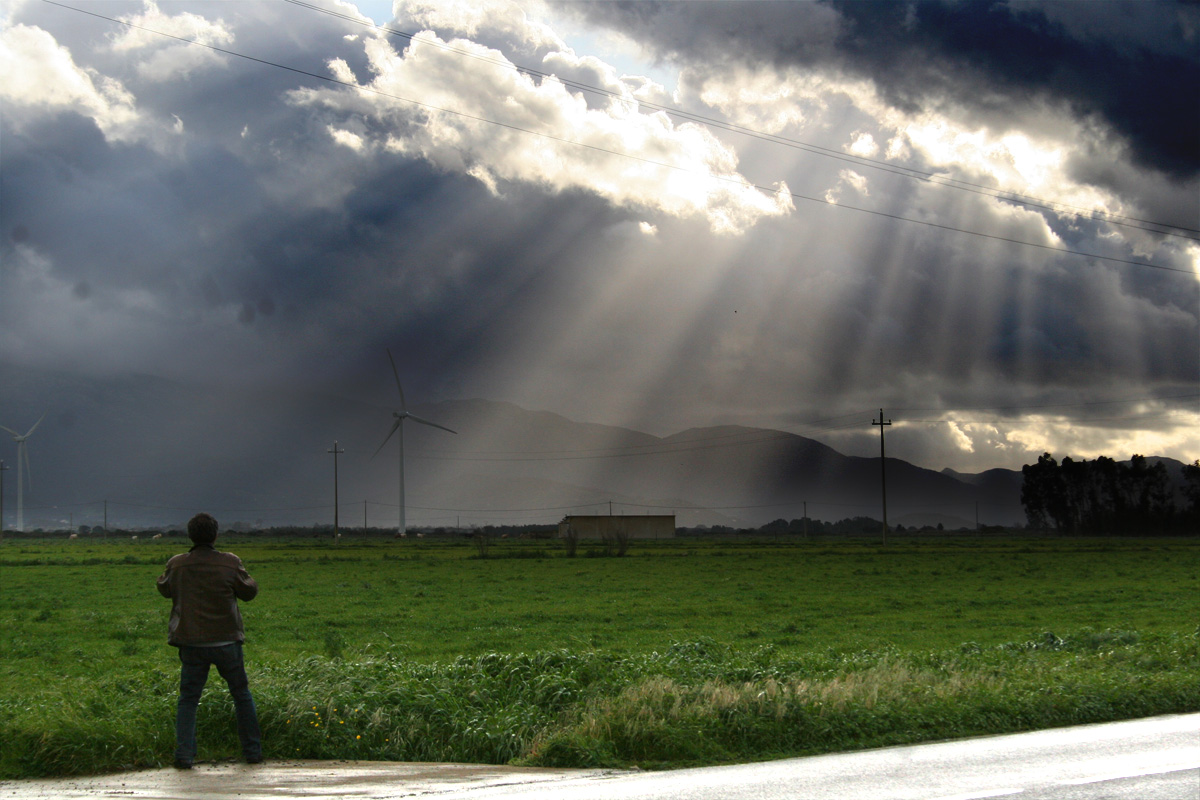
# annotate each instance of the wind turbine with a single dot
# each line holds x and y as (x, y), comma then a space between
(398, 428)
(22, 458)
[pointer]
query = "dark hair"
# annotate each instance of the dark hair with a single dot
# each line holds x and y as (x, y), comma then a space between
(202, 529)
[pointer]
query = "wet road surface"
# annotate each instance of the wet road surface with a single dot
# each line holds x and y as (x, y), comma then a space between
(1151, 759)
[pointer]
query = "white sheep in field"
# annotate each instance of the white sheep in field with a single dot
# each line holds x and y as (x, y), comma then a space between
(420, 536)
(133, 538)
(156, 536)
(73, 536)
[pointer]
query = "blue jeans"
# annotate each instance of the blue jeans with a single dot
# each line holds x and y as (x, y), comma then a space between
(193, 675)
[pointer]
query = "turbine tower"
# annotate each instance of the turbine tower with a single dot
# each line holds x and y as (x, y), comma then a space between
(398, 428)
(22, 460)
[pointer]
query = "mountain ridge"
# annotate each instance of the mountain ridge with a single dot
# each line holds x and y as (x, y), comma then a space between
(159, 449)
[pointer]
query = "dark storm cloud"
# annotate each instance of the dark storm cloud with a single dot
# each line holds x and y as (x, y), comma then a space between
(1001, 54)
(458, 278)
(225, 94)
(1136, 67)
(241, 231)
(123, 214)
(317, 255)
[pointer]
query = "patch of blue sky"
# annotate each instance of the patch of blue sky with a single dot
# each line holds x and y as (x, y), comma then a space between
(380, 11)
(620, 55)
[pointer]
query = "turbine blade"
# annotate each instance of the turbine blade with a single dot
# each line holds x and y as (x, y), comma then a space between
(395, 425)
(39, 422)
(427, 422)
(10, 430)
(399, 388)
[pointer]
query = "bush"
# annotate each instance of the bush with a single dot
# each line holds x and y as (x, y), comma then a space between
(699, 702)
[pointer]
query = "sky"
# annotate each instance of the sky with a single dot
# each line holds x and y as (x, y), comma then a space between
(981, 219)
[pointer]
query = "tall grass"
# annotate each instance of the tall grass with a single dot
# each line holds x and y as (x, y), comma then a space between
(696, 702)
(424, 651)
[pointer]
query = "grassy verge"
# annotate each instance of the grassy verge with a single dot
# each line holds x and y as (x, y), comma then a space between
(422, 651)
(695, 703)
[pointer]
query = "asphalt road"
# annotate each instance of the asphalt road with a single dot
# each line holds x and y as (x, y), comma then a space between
(1150, 759)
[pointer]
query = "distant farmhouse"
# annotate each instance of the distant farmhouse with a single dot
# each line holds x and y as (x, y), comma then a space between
(603, 527)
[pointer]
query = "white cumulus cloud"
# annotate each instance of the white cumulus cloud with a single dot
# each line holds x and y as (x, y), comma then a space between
(39, 74)
(848, 181)
(168, 58)
(484, 118)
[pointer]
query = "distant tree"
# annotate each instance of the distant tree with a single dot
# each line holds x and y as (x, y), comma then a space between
(1041, 485)
(615, 537)
(570, 539)
(483, 540)
(1151, 488)
(1099, 497)
(1191, 487)
(621, 537)
(1081, 500)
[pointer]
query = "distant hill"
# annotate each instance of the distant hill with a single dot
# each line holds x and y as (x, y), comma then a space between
(159, 450)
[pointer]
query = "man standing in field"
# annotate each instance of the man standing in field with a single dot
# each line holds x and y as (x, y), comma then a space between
(204, 586)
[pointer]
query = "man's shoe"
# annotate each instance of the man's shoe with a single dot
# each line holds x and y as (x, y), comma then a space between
(181, 764)
(254, 759)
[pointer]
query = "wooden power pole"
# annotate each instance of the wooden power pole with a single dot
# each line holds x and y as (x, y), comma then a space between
(2, 468)
(883, 469)
(336, 452)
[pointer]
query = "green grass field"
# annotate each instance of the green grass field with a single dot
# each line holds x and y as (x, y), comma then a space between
(681, 653)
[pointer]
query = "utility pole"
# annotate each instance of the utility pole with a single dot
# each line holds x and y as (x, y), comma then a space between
(335, 452)
(364, 516)
(2, 469)
(882, 469)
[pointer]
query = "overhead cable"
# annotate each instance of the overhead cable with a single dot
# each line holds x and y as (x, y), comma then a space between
(864, 161)
(740, 183)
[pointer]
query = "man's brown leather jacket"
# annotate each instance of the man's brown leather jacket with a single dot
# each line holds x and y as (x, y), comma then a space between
(204, 586)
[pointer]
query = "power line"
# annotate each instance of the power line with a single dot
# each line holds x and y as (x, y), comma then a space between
(223, 508)
(590, 457)
(753, 436)
(1078, 404)
(740, 183)
(679, 507)
(664, 448)
(659, 446)
(864, 161)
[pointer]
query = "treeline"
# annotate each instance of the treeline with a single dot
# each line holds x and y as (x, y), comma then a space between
(853, 526)
(1106, 497)
(531, 531)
